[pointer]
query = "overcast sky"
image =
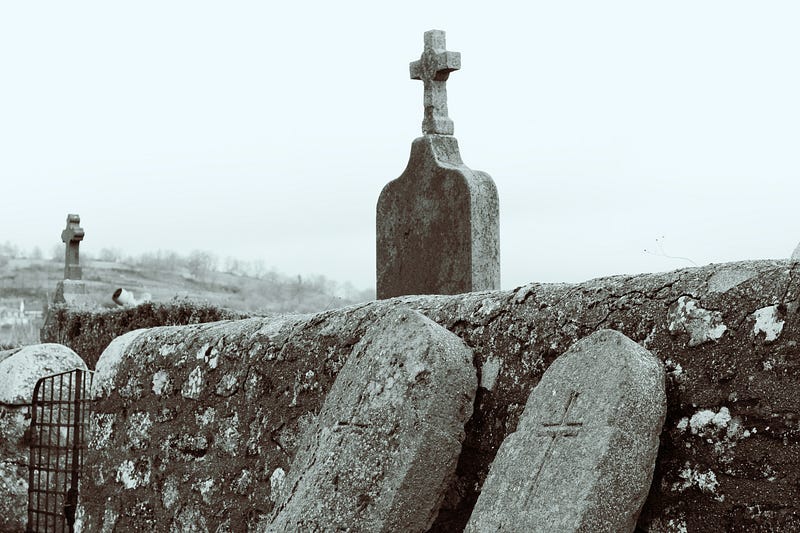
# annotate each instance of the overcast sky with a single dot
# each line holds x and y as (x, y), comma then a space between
(266, 130)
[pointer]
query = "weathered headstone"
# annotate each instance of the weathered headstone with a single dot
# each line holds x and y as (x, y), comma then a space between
(72, 236)
(437, 224)
(388, 436)
(583, 453)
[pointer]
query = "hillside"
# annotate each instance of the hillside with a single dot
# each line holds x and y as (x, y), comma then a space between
(32, 282)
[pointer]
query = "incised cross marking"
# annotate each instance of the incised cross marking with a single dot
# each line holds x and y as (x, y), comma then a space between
(556, 430)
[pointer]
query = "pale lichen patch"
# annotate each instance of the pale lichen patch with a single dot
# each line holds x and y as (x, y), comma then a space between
(229, 437)
(109, 518)
(489, 306)
(706, 419)
(276, 483)
(100, 430)
(166, 350)
(205, 487)
(130, 477)
(241, 484)
(674, 370)
(169, 495)
(702, 325)
(139, 425)
(489, 372)
(705, 481)
(194, 384)
(161, 383)
(768, 323)
(209, 354)
(206, 417)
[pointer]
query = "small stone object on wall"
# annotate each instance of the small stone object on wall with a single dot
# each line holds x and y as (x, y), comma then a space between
(437, 224)
(388, 436)
(583, 454)
(72, 236)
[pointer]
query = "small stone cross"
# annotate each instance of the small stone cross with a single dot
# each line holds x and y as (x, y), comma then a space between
(433, 68)
(556, 430)
(72, 236)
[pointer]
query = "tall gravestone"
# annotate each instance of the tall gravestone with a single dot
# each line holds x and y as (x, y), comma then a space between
(583, 454)
(437, 224)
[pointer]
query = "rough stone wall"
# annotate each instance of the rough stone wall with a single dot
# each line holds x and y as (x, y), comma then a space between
(88, 332)
(199, 424)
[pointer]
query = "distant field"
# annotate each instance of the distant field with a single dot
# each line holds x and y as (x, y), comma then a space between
(33, 281)
(20, 335)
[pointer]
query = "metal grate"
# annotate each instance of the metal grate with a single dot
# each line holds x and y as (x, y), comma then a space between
(59, 416)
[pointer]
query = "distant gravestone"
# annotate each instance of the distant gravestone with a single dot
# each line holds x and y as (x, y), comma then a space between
(387, 439)
(583, 453)
(72, 290)
(437, 224)
(72, 236)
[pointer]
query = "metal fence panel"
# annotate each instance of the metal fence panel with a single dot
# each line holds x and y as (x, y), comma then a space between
(59, 415)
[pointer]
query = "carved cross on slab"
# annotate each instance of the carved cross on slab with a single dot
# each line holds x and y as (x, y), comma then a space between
(433, 68)
(72, 236)
(583, 454)
(556, 430)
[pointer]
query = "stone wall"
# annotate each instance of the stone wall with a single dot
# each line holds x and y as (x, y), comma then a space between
(197, 425)
(88, 332)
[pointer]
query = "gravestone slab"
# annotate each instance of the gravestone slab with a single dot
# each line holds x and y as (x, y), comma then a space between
(583, 454)
(437, 224)
(74, 293)
(387, 439)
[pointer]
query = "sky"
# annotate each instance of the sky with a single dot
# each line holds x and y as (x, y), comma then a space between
(623, 136)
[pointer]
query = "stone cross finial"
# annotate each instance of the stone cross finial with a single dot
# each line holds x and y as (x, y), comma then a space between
(72, 236)
(433, 68)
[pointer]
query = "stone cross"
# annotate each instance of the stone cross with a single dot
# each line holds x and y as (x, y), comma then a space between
(433, 68)
(437, 225)
(590, 469)
(72, 237)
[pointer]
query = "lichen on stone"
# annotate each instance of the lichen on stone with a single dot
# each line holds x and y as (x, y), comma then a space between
(193, 385)
(131, 476)
(162, 384)
(276, 483)
(702, 325)
(706, 481)
(768, 323)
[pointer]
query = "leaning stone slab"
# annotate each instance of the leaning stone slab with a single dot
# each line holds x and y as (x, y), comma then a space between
(583, 454)
(385, 444)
